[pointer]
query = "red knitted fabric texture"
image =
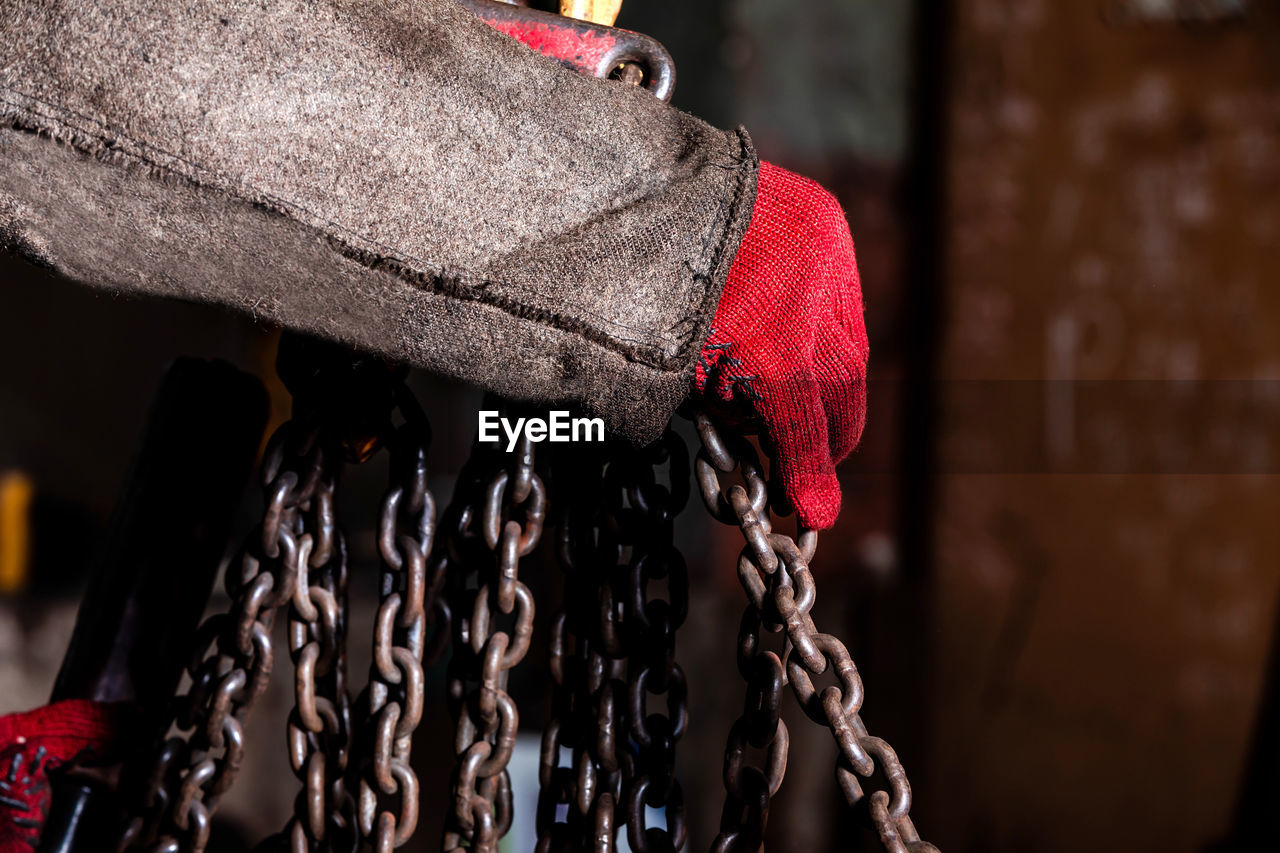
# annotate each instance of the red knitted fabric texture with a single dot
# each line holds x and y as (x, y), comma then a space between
(788, 338)
(36, 742)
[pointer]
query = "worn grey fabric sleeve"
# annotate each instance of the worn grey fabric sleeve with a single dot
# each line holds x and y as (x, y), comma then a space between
(394, 175)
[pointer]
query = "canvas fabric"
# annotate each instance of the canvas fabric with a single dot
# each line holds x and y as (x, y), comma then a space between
(393, 175)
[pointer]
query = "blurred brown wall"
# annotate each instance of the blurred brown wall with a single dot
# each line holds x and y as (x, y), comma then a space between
(1111, 214)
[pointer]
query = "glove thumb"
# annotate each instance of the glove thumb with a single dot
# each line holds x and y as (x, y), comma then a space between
(801, 438)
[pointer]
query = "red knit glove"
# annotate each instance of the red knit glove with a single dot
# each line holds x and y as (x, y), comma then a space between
(789, 341)
(36, 742)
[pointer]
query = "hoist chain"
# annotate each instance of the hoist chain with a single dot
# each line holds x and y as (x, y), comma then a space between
(611, 649)
(496, 519)
(409, 604)
(774, 571)
(233, 656)
(319, 727)
(297, 556)
(749, 789)
(588, 671)
(645, 528)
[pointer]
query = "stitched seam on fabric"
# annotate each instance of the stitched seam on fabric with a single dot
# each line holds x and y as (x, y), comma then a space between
(707, 305)
(418, 270)
(413, 271)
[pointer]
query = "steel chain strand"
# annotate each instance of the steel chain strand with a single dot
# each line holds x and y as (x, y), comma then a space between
(644, 525)
(459, 560)
(492, 525)
(352, 397)
(774, 571)
(570, 653)
(409, 608)
(231, 664)
(588, 662)
(319, 726)
(749, 788)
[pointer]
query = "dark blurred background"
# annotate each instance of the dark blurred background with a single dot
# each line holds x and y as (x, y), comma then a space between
(1058, 562)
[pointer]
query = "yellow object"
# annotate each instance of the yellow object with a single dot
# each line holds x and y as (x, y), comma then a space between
(16, 490)
(596, 11)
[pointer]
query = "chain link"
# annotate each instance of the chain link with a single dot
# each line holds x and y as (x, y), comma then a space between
(496, 518)
(749, 788)
(409, 605)
(612, 652)
(319, 726)
(588, 672)
(645, 527)
(612, 649)
(233, 655)
(774, 571)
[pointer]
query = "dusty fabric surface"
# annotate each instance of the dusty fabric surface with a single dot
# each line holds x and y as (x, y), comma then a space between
(394, 175)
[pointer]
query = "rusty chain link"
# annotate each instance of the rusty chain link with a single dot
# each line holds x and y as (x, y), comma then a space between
(297, 556)
(612, 647)
(748, 788)
(496, 518)
(645, 527)
(233, 655)
(774, 571)
(587, 661)
(409, 604)
(319, 726)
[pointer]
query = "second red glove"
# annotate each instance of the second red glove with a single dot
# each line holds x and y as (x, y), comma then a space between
(36, 742)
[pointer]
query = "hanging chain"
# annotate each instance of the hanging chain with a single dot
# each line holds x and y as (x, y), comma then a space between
(645, 527)
(612, 648)
(319, 727)
(587, 662)
(297, 555)
(749, 789)
(491, 526)
(234, 655)
(613, 651)
(774, 571)
(409, 604)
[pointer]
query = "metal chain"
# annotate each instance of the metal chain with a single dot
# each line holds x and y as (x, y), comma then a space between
(409, 604)
(748, 788)
(233, 659)
(644, 526)
(319, 727)
(491, 526)
(774, 571)
(298, 556)
(587, 662)
(615, 538)
(611, 648)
